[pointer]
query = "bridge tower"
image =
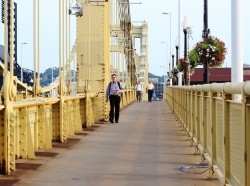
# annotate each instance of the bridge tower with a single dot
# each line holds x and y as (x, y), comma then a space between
(141, 32)
(93, 52)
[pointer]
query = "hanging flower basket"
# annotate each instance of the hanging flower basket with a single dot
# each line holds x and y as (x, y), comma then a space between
(210, 50)
(182, 65)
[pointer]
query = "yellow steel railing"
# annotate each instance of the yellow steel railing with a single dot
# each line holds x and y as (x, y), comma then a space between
(35, 123)
(217, 119)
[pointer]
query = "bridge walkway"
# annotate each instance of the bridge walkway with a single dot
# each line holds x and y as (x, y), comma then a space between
(147, 147)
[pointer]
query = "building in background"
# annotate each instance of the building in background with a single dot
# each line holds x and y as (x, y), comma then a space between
(217, 75)
(158, 88)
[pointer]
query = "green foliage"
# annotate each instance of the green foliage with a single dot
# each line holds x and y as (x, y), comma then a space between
(193, 58)
(210, 50)
(46, 77)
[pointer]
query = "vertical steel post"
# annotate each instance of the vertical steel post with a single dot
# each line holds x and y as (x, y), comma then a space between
(177, 52)
(173, 61)
(185, 56)
(205, 35)
(237, 41)
(177, 58)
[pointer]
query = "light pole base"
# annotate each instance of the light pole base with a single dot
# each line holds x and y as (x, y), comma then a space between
(180, 79)
(171, 82)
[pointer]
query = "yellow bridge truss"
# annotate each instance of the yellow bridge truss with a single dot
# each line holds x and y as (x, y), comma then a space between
(34, 117)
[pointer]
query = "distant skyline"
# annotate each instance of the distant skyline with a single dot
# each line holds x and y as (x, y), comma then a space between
(219, 22)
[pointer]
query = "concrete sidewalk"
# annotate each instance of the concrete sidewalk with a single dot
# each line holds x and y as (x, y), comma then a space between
(146, 148)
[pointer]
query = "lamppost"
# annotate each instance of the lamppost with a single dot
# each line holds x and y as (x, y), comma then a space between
(173, 60)
(164, 42)
(169, 69)
(177, 60)
(22, 60)
(164, 84)
(169, 13)
(177, 50)
(164, 74)
(205, 34)
(186, 71)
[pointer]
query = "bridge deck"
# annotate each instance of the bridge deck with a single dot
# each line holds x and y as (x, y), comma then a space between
(147, 147)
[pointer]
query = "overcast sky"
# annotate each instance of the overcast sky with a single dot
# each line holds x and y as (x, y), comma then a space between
(219, 22)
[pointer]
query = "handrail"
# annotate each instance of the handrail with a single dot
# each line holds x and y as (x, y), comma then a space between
(218, 124)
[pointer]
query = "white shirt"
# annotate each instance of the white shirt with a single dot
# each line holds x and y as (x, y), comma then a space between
(138, 87)
(150, 86)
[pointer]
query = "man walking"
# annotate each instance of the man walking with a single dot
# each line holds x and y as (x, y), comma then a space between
(113, 94)
(139, 90)
(150, 89)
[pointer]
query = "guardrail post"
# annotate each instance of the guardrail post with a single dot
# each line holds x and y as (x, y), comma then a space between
(45, 126)
(192, 114)
(213, 128)
(198, 117)
(77, 120)
(226, 117)
(245, 120)
(246, 116)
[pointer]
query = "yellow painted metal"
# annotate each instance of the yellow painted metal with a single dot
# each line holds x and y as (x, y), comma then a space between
(26, 141)
(247, 140)
(93, 48)
(8, 93)
(219, 134)
(2, 140)
(44, 126)
(29, 124)
(223, 129)
(64, 126)
(56, 121)
(5, 36)
(236, 145)
(209, 126)
(78, 113)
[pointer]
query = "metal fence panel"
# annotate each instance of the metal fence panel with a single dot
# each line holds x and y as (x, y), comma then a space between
(236, 142)
(219, 135)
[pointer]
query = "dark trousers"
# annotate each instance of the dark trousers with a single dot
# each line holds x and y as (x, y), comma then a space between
(138, 95)
(114, 106)
(150, 93)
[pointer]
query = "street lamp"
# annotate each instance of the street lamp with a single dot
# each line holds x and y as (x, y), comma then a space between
(22, 60)
(185, 30)
(176, 78)
(177, 50)
(179, 78)
(164, 75)
(169, 13)
(205, 34)
(173, 62)
(164, 79)
(164, 42)
(173, 58)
